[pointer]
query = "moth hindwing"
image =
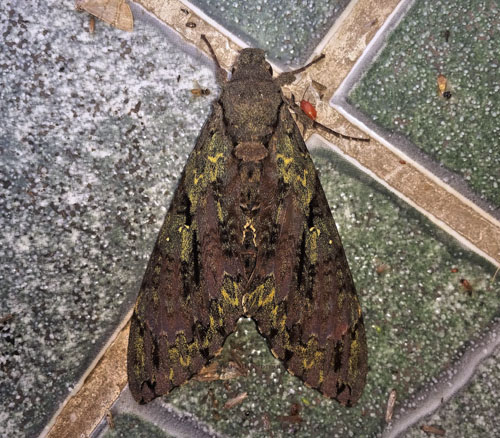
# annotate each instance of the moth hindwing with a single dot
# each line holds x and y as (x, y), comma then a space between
(249, 233)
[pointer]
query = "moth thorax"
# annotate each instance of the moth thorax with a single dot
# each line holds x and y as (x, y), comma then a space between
(251, 64)
(250, 151)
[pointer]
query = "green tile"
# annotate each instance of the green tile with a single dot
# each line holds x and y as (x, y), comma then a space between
(399, 92)
(131, 426)
(289, 31)
(475, 411)
(417, 314)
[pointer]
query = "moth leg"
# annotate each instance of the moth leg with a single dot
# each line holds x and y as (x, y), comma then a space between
(289, 76)
(220, 73)
(309, 123)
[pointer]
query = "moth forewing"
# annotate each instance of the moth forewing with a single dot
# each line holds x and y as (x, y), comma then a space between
(249, 233)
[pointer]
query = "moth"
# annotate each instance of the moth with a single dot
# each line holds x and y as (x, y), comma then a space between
(249, 233)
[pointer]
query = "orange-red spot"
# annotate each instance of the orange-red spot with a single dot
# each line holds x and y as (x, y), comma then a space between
(309, 109)
(441, 81)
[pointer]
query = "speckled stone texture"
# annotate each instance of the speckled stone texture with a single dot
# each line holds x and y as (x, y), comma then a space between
(94, 131)
(130, 426)
(475, 411)
(418, 315)
(458, 40)
(289, 31)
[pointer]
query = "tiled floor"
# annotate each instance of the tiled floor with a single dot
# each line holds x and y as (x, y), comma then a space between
(400, 92)
(288, 31)
(417, 316)
(95, 131)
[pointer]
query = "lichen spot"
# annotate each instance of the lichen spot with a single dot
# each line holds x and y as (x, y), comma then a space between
(303, 180)
(185, 361)
(353, 358)
(307, 364)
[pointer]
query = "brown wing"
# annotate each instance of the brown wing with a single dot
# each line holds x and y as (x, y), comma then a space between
(302, 294)
(190, 296)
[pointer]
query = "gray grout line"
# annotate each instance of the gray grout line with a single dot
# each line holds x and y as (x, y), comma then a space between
(317, 140)
(450, 381)
(448, 384)
(212, 22)
(374, 47)
(172, 421)
(393, 141)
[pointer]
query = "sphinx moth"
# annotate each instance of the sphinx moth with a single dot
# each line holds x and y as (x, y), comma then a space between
(249, 233)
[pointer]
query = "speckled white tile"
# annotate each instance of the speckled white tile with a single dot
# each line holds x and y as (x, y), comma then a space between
(94, 131)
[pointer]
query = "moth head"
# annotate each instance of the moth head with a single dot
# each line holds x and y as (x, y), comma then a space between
(252, 64)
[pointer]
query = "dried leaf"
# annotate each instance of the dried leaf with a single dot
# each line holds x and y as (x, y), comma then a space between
(433, 429)
(235, 400)
(110, 420)
(390, 406)
(117, 13)
(208, 373)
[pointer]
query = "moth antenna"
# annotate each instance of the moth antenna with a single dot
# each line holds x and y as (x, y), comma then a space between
(220, 73)
(307, 122)
(338, 134)
(289, 76)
